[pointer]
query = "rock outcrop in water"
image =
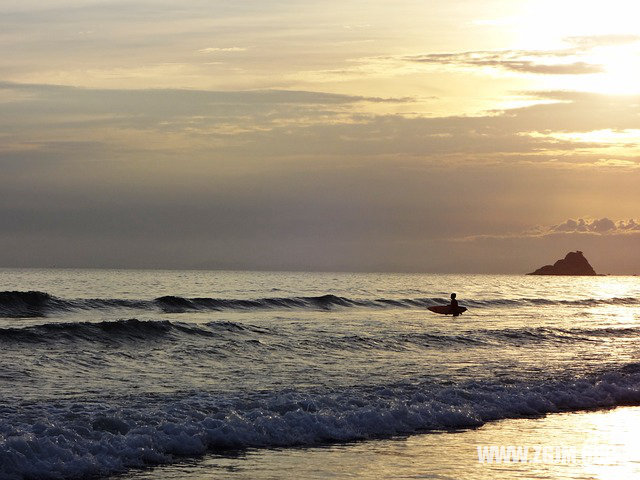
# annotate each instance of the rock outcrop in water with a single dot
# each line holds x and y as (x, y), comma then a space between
(573, 264)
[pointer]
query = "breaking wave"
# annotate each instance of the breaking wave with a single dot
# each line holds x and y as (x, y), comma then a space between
(71, 439)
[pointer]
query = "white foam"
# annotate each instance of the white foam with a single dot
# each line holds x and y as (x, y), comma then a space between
(73, 440)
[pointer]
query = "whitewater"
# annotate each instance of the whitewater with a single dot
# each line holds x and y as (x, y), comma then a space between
(107, 372)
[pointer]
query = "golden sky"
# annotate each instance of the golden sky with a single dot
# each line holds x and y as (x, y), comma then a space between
(476, 136)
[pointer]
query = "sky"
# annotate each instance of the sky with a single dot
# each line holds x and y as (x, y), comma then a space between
(465, 136)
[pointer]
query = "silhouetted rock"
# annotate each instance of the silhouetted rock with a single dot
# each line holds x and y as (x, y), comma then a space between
(573, 264)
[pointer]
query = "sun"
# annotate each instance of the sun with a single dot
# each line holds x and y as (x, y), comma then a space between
(619, 73)
(621, 70)
(602, 34)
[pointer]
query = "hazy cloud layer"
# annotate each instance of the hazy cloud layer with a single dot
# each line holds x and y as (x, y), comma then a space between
(300, 135)
(77, 121)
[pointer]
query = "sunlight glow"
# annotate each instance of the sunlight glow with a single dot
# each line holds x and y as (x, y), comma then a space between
(553, 22)
(621, 74)
(624, 143)
(604, 429)
(628, 137)
(599, 34)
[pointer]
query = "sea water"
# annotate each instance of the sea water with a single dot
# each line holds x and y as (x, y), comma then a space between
(105, 372)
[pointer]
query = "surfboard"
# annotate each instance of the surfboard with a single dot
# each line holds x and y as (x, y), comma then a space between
(446, 309)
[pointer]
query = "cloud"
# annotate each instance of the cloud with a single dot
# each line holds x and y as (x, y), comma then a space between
(591, 41)
(191, 96)
(591, 226)
(581, 226)
(273, 123)
(267, 169)
(616, 163)
(603, 226)
(221, 49)
(575, 68)
(522, 61)
(564, 61)
(260, 183)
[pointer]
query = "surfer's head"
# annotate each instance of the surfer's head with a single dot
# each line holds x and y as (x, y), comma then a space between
(453, 295)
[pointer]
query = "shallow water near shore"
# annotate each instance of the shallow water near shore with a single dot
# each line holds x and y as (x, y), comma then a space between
(577, 445)
(108, 372)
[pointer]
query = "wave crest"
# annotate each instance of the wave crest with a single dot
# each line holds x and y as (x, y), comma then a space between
(71, 439)
(15, 304)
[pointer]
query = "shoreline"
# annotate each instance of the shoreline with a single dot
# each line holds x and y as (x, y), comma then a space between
(593, 444)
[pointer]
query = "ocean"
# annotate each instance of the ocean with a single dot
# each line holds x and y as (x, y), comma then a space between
(211, 374)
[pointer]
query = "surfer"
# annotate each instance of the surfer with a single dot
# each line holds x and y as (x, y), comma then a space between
(451, 309)
(454, 305)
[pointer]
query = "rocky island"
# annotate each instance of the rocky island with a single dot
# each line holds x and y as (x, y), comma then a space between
(573, 264)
